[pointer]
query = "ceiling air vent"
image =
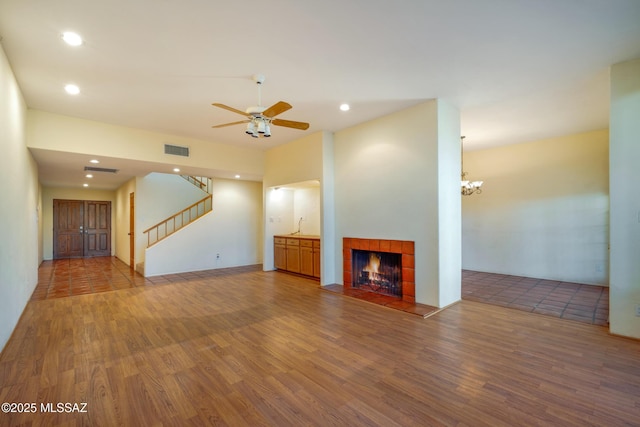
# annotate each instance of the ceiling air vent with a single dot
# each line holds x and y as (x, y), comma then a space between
(94, 169)
(176, 150)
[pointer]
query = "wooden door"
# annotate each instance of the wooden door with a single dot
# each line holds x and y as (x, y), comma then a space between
(132, 237)
(97, 228)
(81, 228)
(68, 228)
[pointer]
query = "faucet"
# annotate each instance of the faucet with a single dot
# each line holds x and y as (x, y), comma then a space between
(298, 232)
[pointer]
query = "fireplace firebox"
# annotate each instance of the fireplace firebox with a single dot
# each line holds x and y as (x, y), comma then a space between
(380, 272)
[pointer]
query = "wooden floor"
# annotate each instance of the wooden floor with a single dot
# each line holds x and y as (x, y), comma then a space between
(248, 347)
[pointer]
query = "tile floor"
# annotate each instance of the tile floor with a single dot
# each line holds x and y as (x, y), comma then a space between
(573, 301)
(66, 277)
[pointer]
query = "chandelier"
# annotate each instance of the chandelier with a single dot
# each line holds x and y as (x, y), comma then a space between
(468, 187)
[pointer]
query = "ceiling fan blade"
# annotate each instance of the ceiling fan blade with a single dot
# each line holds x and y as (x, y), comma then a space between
(226, 107)
(277, 108)
(231, 124)
(290, 124)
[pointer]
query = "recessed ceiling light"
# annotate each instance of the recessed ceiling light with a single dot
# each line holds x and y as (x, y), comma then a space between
(94, 161)
(344, 107)
(71, 38)
(85, 185)
(176, 169)
(89, 175)
(72, 89)
(237, 176)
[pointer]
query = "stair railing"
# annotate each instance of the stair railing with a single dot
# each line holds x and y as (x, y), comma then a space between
(202, 182)
(175, 222)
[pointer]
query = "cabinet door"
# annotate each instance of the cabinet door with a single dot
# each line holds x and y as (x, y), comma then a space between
(316, 259)
(306, 260)
(293, 258)
(280, 256)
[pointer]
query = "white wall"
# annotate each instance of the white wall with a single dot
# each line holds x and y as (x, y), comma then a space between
(544, 209)
(49, 194)
(306, 205)
(121, 217)
(624, 148)
(280, 205)
(389, 176)
(328, 215)
(20, 214)
(449, 206)
(233, 230)
(159, 196)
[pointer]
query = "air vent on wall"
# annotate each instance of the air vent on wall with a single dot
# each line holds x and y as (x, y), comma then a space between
(176, 150)
(94, 169)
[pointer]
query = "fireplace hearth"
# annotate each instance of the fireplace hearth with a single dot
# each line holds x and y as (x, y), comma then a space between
(380, 266)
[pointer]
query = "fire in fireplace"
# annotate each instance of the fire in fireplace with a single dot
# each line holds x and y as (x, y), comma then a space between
(379, 272)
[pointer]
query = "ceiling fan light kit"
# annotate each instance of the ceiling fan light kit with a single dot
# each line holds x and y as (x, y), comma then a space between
(259, 118)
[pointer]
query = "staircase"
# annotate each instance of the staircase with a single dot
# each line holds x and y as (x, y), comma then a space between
(179, 220)
(175, 222)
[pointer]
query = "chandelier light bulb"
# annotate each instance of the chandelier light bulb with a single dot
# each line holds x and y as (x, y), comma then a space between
(467, 187)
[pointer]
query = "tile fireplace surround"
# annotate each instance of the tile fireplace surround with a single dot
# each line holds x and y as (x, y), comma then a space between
(403, 247)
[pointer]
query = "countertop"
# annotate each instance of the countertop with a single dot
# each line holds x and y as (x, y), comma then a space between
(299, 236)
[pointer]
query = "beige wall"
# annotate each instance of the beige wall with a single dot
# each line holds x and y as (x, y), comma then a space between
(49, 194)
(624, 149)
(68, 134)
(20, 212)
(543, 211)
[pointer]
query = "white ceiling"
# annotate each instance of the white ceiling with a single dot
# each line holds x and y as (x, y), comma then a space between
(518, 70)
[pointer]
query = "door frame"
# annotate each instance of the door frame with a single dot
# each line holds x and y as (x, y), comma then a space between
(132, 226)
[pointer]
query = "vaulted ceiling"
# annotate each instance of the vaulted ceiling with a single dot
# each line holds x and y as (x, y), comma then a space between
(518, 70)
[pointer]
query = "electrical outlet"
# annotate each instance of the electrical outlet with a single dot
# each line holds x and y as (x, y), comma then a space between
(638, 310)
(217, 256)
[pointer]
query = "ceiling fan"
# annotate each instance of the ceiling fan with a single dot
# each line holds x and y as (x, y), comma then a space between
(259, 118)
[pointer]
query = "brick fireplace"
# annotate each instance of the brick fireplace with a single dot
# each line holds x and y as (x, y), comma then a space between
(380, 248)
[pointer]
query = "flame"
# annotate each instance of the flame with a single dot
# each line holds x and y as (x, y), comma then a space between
(374, 265)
